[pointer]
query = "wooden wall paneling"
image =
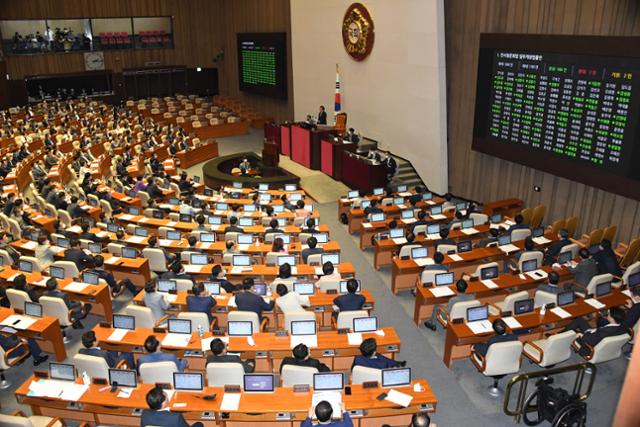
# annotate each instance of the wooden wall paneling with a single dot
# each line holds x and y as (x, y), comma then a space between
(482, 177)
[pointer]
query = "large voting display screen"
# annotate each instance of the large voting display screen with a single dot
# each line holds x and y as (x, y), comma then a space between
(562, 104)
(262, 63)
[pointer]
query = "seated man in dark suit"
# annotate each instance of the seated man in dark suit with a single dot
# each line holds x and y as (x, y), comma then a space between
(607, 260)
(491, 238)
(421, 220)
(158, 413)
(273, 227)
(438, 259)
(586, 268)
(417, 197)
(551, 287)
(20, 283)
(444, 238)
(78, 309)
(77, 256)
(152, 346)
(98, 268)
(193, 241)
(176, 271)
(217, 275)
(248, 301)
(324, 412)
(529, 246)
(75, 210)
(219, 350)
(312, 242)
(618, 322)
(311, 226)
(519, 225)
(86, 235)
(232, 227)
(302, 357)
(184, 185)
(369, 358)
(9, 341)
(500, 328)
(153, 243)
(554, 249)
(461, 287)
(351, 300)
(200, 303)
(113, 358)
(372, 208)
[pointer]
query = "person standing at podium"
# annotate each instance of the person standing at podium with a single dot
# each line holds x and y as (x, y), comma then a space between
(322, 116)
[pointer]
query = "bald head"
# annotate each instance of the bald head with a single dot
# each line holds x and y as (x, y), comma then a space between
(420, 419)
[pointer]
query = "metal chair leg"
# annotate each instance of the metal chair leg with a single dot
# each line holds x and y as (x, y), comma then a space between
(4, 384)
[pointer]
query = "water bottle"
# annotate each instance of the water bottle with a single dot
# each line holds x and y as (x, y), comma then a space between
(200, 330)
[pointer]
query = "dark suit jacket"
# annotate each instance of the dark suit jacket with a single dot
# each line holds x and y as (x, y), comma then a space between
(310, 363)
(233, 229)
(93, 237)
(170, 275)
(201, 305)
(349, 302)
(10, 341)
(64, 296)
(517, 227)
(247, 301)
(322, 118)
(78, 257)
(230, 358)
(106, 276)
(556, 247)
(584, 271)
(484, 347)
(593, 338)
(345, 422)
(162, 418)
(310, 251)
(109, 357)
(607, 263)
(76, 211)
(377, 362)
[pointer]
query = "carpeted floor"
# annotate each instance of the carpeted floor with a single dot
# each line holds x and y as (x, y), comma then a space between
(461, 392)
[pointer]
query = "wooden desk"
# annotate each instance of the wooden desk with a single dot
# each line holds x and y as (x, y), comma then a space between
(106, 408)
(359, 173)
(269, 350)
(507, 283)
(459, 337)
(405, 272)
(507, 207)
(357, 216)
(46, 331)
(196, 155)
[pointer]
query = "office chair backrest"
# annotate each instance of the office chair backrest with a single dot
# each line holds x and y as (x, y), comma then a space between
(303, 237)
(272, 257)
(329, 285)
(18, 421)
(574, 248)
(17, 298)
(503, 358)
(479, 218)
(231, 235)
(632, 269)
(543, 298)
(445, 249)
(609, 348)
(405, 251)
(526, 213)
(197, 319)
(34, 262)
(157, 372)
(610, 233)
(511, 299)
(537, 216)
(95, 367)
(571, 225)
(143, 315)
(361, 374)
(557, 226)
(297, 316)
(315, 259)
(293, 375)
(529, 256)
(557, 348)
(162, 231)
(115, 249)
(55, 307)
(221, 374)
(70, 268)
(184, 285)
(459, 309)
(631, 254)
(596, 280)
(520, 234)
(157, 261)
(345, 318)
(245, 316)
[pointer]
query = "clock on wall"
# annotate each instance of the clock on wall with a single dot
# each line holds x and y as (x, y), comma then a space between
(357, 31)
(94, 61)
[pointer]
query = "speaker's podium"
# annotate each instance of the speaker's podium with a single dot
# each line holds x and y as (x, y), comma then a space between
(270, 153)
(331, 150)
(361, 173)
(305, 144)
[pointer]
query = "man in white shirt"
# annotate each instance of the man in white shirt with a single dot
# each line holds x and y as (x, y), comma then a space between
(290, 301)
(185, 207)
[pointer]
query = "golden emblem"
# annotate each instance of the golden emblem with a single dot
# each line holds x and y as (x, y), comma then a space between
(357, 31)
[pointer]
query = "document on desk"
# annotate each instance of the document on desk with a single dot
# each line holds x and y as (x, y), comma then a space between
(509, 223)
(409, 220)
(126, 217)
(243, 247)
(176, 340)
(480, 327)
(423, 261)
(135, 239)
(537, 274)
(405, 194)
(29, 245)
(192, 269)
(512, 322)
(595, 303)
(144, 220)
(310, 341)
(65, 390)
(333, 397)
(113, 260)
(508, 248)
(206, 245)
(230, 402)
(232, 301)
(239, 270)
(541, 240)
(456, 257)
(354, 338)
(171, 224)
(294, 271)
(438, 216)
(399, 241)
(490, 284)
(76, 287)
(469, 231)
(367, 225)
(13, 276)
(125, 392)
(17, 321)
(117, 335)
(171, 298)
(165, 242)
(560, 312)
(433, 236)
(75, 229)
(42, 282)
(399, 398)
(441, 291)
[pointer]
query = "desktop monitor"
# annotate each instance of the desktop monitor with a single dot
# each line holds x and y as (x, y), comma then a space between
(321, 237)
(304, 288)
(123, 377)
(286, 239)
(365, 204)
(198, 259)
(129, 253)
(214, 220)
(523, 306)
(328, 381)
(241, 261)
(396, 233)
(537, 232)
(179, 326)
(265, 197)
(633, 280)
(263, 187)
(222, 206)
(112, 228)
(444, 279)
(565, 298)
(123, 321)
(396, 377)
(278, 208)
(398, 201)
(353, 194)
(188, 381)
(246, 222)
(464, 246)
(496, 218)
(303, 327)
(90, 278)
(259, 288)
(343, 286)
(250, 208)
(25, 266)
(237, 185)
(417, 253)
(207, 237)
(295, 197)
(95, 248)
(134, 211)
(378, 191)
(260, 383)
(401, 188)
(603, 289)
(433, 229)
(290, 187)
(467, 223)
(185, 218)
(212, 288)
(489, 273)
(461, 206)
(365, 324)
(436, 210)
(141, 232)
(504, 240)
(63, 242)
(308, 207)
(245, 239)
(377, 217)
(427, 196)
(174, 202)
(239, 328)
(32, 309)
(407, 214)
(57, 272)
(565, 257)
(208, 192)
(477, 313)
(167, 285)
(286, 259)
(282, 222)
(196, 179)
(332, 258)
(173, 235)
(529, 265)
(62, 371)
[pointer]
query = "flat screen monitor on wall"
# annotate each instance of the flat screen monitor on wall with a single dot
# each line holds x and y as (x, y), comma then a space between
(567, 105)
(262, 63)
